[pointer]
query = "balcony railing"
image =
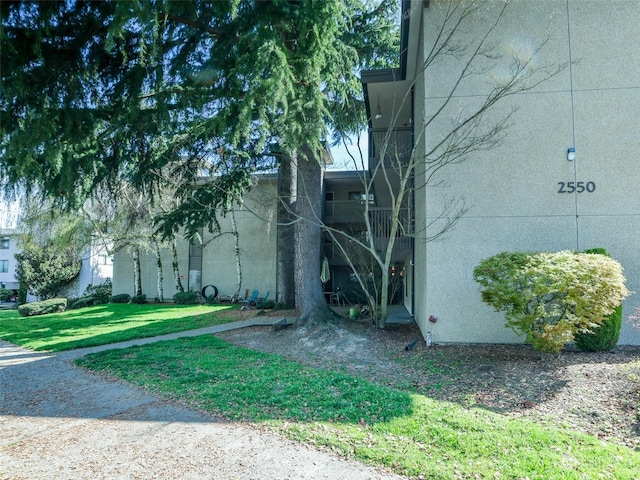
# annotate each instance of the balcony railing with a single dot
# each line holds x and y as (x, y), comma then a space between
(349, 216)
(381, 218)
(344, 212)
(394, 145)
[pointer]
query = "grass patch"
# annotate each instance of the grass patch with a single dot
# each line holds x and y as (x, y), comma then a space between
(104, 324)
(410, 433)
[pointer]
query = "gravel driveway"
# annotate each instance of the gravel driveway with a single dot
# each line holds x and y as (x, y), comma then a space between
(60, 422)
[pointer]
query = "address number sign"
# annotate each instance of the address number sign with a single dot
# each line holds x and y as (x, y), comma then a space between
(577, 187)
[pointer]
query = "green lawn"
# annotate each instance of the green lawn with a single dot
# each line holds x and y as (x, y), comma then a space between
(103, 324)
(412, 434)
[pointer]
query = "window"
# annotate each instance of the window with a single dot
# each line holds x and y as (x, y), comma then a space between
(4, 242)
(361, 197)
(4, 266)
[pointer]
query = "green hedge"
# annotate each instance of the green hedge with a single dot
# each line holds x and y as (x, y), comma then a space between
(605, 336)
(139, 299)
(120, 298)
(187, 298)
(83, 302)
(100, 293)
(53, 305)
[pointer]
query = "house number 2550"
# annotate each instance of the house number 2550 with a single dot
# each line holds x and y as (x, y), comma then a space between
(577, 187)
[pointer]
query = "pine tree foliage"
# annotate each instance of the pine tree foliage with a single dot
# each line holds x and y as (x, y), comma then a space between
(93, 91)
(154, 91)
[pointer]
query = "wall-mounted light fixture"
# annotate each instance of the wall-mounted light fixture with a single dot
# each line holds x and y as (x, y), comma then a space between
(571, 154)
(379, 110)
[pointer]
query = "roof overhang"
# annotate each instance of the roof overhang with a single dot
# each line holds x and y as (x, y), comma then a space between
(388, 91)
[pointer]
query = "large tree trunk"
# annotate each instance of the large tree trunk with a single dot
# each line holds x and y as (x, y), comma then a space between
(311, 306)
(285, 234)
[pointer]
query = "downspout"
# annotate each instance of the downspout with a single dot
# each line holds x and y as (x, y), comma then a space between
(413, 216)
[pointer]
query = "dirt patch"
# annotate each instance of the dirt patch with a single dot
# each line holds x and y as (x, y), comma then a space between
(596, 393)
(245, 313)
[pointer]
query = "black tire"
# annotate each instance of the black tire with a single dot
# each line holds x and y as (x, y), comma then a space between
(204, 291)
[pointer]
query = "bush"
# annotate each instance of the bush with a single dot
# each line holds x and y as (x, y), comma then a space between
(605, 336)
(82, 302)
(100, 293)
(120, 298)
(211, 300)
(268, 305)
(549, 297)
(139, 299)
(53, 305)
(187, 298)
(6, 294)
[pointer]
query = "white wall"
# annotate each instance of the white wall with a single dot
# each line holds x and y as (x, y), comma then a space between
(91, 272)
(8, 278)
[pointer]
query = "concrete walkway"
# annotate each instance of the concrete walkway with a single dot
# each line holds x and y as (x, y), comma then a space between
(61, 422)
(258, 321)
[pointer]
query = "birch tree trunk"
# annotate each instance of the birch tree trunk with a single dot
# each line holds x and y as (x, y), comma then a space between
(137, 273)
(175, 265)
(236, 250)
(159, 272)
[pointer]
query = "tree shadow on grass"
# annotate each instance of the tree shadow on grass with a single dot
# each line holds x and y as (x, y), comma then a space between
(203, 373)
(585, 390)
(105, 324)
(513, 380)
(241, 384)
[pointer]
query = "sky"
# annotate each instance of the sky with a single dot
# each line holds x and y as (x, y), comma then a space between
(9, 212)
(340, 153)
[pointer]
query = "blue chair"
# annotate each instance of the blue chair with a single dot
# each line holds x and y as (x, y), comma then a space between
(252, 300)
(262, 302)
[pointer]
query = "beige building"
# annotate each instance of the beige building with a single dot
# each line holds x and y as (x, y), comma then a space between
(213, 261)
(562, 173)
(565, 173)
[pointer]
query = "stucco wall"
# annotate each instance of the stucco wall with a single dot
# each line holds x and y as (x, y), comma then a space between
(512, 190)
(257, 249)
(257, 241)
